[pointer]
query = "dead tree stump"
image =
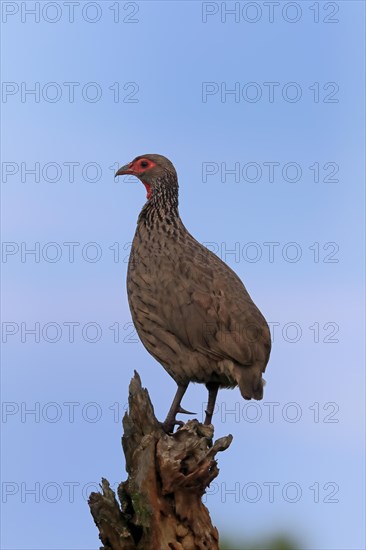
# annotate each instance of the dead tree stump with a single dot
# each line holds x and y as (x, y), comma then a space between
(160, 506)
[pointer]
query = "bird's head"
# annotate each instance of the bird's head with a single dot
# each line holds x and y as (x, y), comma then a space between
(156, 172)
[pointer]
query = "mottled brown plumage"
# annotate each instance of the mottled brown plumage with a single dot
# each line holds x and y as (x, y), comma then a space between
(191, 311)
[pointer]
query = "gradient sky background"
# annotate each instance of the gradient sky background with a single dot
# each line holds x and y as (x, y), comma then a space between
(169, 52)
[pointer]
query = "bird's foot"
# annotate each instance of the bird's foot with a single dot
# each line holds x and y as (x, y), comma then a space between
(168, 425)
(170, 421)
(213, 388)
(208, 419)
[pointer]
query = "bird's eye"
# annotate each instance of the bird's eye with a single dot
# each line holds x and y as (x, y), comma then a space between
(144, 163)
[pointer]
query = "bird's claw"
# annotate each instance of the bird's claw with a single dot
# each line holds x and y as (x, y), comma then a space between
(168, 426)
(184, 411)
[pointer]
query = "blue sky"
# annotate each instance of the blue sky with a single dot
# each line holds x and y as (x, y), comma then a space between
(163, 61)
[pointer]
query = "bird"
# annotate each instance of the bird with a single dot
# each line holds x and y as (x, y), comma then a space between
(191, 311)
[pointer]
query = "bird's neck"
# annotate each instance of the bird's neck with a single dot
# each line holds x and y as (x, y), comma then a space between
(162, 206)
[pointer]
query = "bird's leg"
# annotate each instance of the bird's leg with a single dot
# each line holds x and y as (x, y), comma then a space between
(170, 421)
(213, 388)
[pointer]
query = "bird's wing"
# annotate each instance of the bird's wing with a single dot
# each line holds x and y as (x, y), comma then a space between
(209, 310)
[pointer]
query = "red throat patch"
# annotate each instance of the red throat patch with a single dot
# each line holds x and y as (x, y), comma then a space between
(148, 190)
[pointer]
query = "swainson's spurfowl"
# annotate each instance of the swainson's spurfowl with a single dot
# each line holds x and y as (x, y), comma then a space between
(190, 310)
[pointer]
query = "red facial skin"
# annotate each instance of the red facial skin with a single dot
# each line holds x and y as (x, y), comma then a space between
(148, 190)
(138, 167)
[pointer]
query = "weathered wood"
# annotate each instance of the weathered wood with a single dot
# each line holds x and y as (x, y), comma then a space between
(161, 502)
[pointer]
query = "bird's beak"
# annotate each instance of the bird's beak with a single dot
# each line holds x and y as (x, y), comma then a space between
(124, 170)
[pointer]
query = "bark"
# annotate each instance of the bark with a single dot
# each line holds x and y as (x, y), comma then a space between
(160, 505)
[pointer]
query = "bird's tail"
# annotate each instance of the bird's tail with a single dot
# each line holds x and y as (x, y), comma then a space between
(250, 381)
